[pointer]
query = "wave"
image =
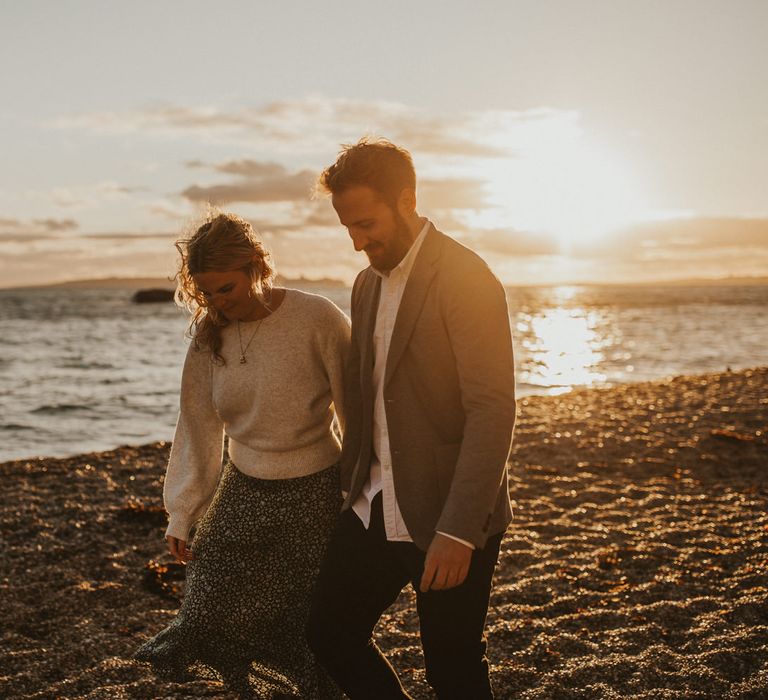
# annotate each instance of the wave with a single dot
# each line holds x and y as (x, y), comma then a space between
(124, 364)
(85, 365)
(55, 409)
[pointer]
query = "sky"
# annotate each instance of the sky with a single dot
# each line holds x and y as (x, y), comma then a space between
(566, 141)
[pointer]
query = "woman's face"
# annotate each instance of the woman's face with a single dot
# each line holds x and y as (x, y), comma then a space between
(229, 293)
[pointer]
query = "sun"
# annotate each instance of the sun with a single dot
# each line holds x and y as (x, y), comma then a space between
(563, 182)
(594, 196)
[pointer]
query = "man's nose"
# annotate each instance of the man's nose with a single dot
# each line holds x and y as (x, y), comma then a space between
(358, 240)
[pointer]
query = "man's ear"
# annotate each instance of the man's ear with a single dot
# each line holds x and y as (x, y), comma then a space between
(406, 202)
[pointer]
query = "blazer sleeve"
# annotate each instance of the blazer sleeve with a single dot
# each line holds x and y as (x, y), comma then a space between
(476, 316)
(352, 397)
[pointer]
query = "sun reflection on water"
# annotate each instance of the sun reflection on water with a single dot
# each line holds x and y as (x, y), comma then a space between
(566, 344)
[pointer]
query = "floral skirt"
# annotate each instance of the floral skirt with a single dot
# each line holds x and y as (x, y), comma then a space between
(248, 590)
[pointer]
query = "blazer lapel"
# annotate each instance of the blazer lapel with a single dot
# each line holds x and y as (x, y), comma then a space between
(415, 293)
(369, 304)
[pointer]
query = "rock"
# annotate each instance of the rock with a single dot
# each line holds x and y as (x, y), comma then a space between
(152, 296)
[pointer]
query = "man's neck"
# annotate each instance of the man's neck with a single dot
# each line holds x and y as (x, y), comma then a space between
(415, 224)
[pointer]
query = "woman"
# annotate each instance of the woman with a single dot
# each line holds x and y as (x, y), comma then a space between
(265, 368)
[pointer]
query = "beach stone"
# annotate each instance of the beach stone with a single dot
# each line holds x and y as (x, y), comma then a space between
(635, 567)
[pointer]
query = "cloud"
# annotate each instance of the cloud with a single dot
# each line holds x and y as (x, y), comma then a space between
(304, 217)
(682, 238)
(259, 182)
(56, 224)
(245, 168)
(692, 248)
(92, 195)
(110, 188)
(251, 168)
(157, 118)
(24, 237)
(129, 236)
(451, 193)
(271, 182)
(167, 210)
(312, 125)
(702, 233)
(509, 242)
(36, 227)
(444, 137)
(67, 198)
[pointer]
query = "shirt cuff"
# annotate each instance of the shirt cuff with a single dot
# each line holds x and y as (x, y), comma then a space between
(457, 539)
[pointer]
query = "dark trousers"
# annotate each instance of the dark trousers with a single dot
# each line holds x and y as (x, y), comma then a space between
(361, 576)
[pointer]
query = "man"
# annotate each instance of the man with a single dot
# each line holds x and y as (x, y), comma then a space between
(430, 414)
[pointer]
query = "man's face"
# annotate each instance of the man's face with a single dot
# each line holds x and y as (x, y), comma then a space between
(374, 227)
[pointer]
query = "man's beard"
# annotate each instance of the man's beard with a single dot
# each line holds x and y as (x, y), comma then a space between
(396, 248)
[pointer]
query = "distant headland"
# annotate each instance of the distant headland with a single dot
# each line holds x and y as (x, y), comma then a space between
(165, 283)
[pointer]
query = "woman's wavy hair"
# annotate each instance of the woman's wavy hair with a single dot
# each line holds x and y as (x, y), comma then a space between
(224, 242)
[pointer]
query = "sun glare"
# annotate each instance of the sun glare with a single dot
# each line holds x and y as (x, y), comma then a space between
(560, 181)
(566, 345)
(581, 196)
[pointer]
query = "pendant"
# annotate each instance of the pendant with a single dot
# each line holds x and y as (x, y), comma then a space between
(242, 359)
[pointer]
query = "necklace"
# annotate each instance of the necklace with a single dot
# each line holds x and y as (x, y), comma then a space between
(243, 350)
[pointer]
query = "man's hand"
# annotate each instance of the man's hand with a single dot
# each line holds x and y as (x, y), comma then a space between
(179, 549)
(446, 564)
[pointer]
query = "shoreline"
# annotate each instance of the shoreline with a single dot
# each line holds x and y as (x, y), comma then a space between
(636, 565)
(555, 393)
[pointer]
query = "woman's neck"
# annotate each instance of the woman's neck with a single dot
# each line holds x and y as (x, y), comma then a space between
(262, 310)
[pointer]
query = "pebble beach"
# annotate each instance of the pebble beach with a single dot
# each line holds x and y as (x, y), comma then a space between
(636, 565)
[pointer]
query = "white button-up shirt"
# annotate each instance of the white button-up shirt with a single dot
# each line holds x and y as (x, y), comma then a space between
(380, 477)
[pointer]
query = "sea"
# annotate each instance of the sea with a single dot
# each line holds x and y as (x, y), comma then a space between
(85, 370)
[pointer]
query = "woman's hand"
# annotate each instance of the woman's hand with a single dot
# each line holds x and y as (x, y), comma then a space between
(178, 548)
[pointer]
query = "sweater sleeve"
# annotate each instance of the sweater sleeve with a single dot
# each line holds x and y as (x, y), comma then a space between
(194, 466)
(335, 352)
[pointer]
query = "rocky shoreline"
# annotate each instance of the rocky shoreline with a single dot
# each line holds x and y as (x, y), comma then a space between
(636, 567)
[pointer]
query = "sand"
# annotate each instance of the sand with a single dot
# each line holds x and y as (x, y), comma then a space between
(636, 567)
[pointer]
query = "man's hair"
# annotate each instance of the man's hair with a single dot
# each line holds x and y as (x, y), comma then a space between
(376, 163)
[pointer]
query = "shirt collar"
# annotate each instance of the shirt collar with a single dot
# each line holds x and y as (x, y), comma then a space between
(404, 267)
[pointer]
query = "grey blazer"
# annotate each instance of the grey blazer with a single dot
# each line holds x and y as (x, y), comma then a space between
(449, 395)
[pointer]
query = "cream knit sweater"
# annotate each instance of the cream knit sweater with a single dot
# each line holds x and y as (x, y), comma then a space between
(277, 409)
